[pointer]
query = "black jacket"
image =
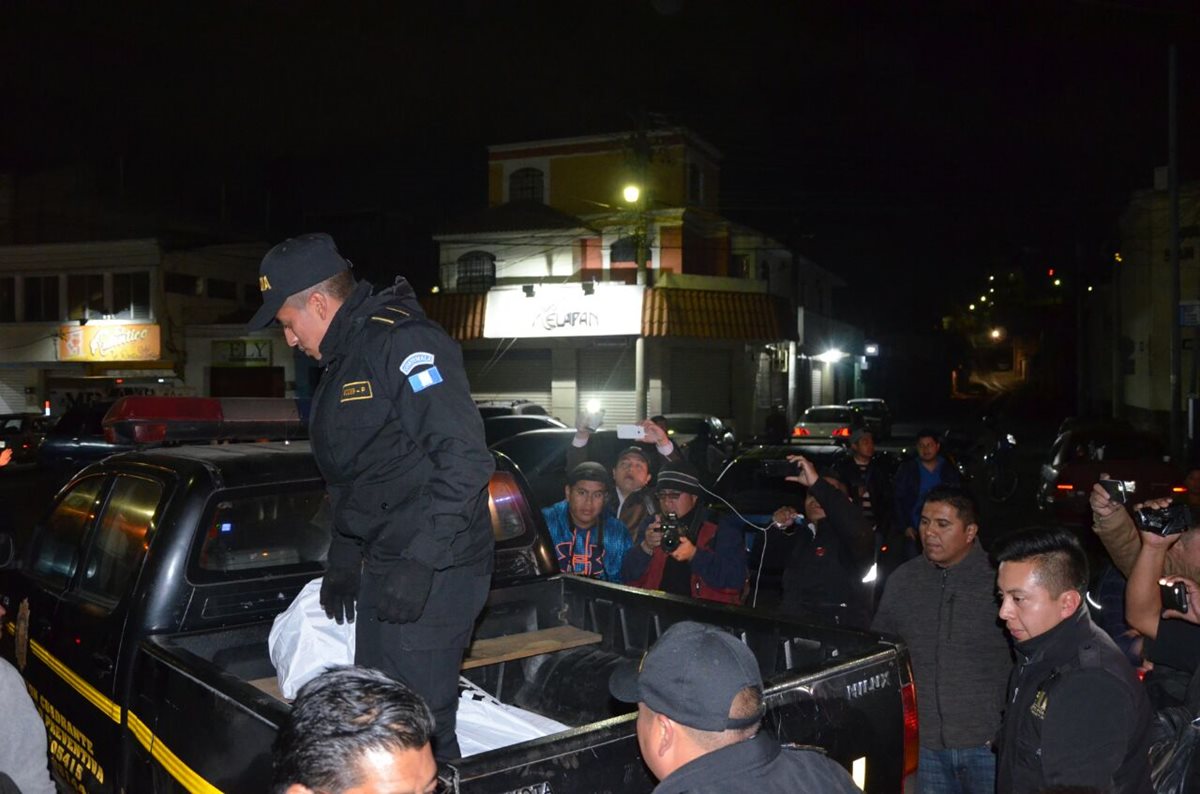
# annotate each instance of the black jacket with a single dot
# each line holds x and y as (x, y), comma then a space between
(398, 438)
(823, 577)
(1077, 715)
(877, 481)
(762, 766)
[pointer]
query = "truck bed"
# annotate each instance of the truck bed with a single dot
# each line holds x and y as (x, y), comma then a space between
(549, 645)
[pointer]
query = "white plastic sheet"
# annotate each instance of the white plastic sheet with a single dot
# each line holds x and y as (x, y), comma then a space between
(484, 723)
(303, 641)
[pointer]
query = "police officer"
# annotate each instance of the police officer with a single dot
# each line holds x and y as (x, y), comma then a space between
(401, 447)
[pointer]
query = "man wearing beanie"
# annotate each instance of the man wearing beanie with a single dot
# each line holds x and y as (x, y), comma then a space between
(588, 539)
(400, 444)
(700, 706)
(710, 560)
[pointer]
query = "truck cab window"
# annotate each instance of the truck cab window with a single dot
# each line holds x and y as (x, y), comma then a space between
(121, 537)
(55, 555)
(260, 532)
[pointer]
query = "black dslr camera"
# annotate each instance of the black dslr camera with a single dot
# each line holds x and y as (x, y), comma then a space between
(1169, 520)
(671, 531)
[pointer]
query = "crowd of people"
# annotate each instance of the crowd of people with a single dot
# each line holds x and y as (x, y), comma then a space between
(1017, 689)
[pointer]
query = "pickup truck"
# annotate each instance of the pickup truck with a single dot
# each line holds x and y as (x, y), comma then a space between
(138, 614)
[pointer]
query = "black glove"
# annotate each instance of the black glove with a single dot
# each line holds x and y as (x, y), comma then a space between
(339, 591)
(404, 592)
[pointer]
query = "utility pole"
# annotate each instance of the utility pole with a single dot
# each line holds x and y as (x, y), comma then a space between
(1176, 440)
(641, 152)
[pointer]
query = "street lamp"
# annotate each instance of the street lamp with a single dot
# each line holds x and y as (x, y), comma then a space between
(631, 194)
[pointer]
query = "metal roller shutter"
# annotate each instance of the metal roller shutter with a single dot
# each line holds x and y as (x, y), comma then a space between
(516, 375)
(12, 391)
(606, 375)
(701, 382)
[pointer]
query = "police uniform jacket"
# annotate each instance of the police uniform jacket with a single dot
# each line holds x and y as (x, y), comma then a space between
(760, 765)
(398, 439)
(1077, 715)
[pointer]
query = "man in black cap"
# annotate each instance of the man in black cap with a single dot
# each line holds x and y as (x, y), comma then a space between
(401, 447)
(702, 559)
(588, 539)
(700, 705)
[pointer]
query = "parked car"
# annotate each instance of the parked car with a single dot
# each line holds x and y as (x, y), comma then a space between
(542, 457)
(76, 440)
(509, 408)
(23, 434)
(682, 428)
(1078, 457)
(829, 421)
(498, 428)
(876, 413)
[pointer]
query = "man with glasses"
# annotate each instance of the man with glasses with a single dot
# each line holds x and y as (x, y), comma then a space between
(701, 559)
(588, 538)
(353, 729)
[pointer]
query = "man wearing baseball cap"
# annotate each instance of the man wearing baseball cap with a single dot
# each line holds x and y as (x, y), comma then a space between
(588, 539)
(700, 704)
(702, 559)
(400, 444)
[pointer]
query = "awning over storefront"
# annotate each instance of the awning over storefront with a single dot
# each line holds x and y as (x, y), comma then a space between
(705, 314)
(460, 313)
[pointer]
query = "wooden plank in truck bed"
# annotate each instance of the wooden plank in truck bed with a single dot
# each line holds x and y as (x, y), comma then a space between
(492, 651)
(530, 643)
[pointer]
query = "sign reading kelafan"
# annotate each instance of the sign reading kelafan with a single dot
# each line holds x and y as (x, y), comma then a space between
(560, 310)
(94, 342)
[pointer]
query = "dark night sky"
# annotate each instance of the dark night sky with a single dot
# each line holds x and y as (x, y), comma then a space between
(905, 145)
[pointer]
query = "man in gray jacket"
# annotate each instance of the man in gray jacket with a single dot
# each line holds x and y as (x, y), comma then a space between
(943, 605)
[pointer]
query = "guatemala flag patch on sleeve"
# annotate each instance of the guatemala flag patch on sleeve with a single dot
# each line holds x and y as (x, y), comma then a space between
(425, 378)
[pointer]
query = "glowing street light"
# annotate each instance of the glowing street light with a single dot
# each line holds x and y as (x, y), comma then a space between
(996, 334)
(631, 194)
(983, 298)
(971, 307)
(1058, 282)
(831, 356)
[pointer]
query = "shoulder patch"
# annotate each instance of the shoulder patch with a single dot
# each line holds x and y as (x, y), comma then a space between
(414, 360)
(424, 379)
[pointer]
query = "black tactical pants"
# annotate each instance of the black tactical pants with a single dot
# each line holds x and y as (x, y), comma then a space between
(426, 654)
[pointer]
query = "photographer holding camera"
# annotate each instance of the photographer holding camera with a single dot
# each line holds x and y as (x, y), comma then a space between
(680, 551)
(1165, 607)
(1115, 526)
(832, 553)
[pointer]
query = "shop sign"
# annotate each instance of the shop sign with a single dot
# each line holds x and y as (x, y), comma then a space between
(94, 342)
(562, 310)
(241, 353)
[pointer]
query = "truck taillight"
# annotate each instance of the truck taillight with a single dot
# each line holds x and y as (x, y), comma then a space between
(912, 747)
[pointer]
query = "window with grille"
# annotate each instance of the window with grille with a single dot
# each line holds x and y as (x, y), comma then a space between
(8, 299)
(41, 299)
(476, 271)
(131, 296)
(624, 250)
(526, 184)
(85, 296)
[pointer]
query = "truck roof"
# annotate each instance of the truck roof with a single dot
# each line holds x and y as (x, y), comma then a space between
(240, 464)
